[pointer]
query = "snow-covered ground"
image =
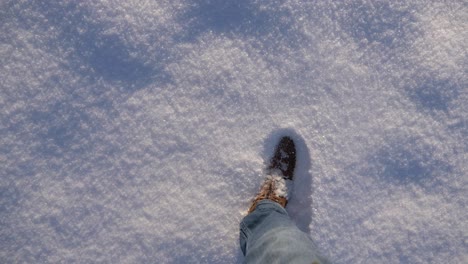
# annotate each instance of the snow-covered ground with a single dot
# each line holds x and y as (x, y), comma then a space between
(137, 131)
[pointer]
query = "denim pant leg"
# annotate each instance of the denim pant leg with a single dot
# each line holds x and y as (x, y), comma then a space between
(267, 235)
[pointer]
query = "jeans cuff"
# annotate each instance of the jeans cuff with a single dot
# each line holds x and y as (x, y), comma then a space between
(269, 204)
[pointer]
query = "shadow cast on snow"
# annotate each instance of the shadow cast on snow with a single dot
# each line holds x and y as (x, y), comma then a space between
(380, 23)
(97, 54)
(407, 161)
(244, 18)
(300, 205)
(433, 94)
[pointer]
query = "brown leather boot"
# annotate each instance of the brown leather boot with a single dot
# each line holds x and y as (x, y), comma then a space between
(284, 158)
(280, 174)
(273, 188)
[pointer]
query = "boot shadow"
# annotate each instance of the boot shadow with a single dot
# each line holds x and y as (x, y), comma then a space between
(299, 205)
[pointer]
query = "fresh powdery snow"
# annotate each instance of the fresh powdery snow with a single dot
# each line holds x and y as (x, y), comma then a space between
(138, 131)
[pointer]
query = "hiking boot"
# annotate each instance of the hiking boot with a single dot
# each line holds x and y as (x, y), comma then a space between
(284, 158)
(273, 188)
(280, 174)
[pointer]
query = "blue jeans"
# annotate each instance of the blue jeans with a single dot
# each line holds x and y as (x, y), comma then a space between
(267, 235)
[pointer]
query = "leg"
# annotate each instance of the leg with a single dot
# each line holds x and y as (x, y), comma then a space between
(268, 235)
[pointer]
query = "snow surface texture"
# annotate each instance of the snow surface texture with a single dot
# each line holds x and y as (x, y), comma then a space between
(137, 131)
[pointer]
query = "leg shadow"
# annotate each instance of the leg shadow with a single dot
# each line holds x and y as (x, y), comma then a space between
(300, 204)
